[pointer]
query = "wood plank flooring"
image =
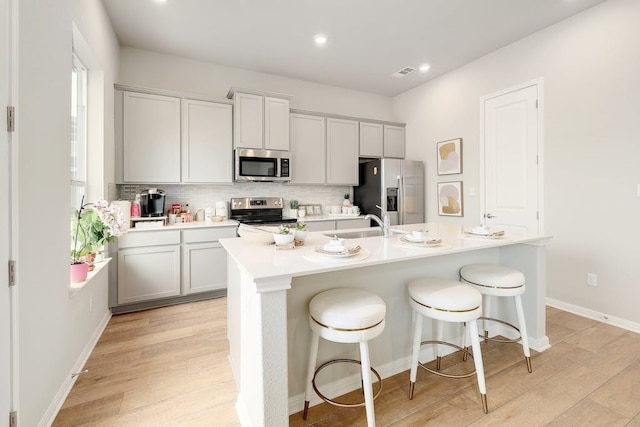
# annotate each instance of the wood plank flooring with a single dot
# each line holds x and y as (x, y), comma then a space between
(169, 367)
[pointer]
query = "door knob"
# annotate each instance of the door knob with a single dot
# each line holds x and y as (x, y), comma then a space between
(489, 216)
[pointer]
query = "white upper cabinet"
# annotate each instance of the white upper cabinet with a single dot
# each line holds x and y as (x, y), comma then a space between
(260, 121)
(371, 139)
(342, 151)
(248, 121)
(207, 141)
(172, 139)
(394, 141)
(150, 138)
(378, 140)
(308, 153)
(276, 124)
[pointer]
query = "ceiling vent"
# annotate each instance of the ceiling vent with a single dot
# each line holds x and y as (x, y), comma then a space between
(405, 71)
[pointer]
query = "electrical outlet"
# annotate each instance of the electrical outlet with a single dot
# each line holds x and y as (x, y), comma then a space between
(592, 279)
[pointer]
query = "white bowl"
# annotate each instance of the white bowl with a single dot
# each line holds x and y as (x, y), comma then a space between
(300, 234)
(330, 247)
(480, 230)
(283, 239)
(420, 235)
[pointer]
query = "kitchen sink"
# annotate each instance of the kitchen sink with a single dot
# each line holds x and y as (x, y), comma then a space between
(356, 234)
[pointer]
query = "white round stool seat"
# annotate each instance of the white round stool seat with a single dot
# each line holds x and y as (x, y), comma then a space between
(347, 315)
(445, 299)
(450, 301)
(492, 279)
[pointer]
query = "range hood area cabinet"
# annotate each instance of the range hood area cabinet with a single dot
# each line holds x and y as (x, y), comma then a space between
(164, 138)
(324, 150)
(261, 119)
(379, 140)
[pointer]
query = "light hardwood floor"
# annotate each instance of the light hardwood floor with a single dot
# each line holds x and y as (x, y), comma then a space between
(169, 366)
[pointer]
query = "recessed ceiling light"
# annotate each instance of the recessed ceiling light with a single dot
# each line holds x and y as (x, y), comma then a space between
(424, 68)
(320, 39)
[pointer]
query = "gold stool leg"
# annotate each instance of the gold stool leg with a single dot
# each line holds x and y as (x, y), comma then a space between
(528, 360)
(412, 385)
(485, 406)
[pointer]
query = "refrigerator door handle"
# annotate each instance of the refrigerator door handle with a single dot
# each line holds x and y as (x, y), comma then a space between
(401, 216)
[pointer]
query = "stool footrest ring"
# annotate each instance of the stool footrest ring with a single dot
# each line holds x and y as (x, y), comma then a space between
(442, 374)
(501, 340)
(335, 402)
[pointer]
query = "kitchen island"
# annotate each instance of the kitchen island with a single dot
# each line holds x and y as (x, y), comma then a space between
(269, 290)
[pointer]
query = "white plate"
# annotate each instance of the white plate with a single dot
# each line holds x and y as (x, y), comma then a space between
(311, 255)
(409, 238)
(492, 235)
(430, 242)
(343, 254)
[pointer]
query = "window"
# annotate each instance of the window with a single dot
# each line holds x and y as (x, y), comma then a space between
(78, 131)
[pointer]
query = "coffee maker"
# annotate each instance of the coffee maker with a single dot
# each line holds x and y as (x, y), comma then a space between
(152, 202)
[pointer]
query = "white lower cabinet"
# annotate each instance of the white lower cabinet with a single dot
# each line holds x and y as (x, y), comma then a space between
(204, 260)
(171, 263)
(148, 273)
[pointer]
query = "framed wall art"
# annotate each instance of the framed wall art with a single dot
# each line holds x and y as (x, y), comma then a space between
(450, 157)
(450, 198)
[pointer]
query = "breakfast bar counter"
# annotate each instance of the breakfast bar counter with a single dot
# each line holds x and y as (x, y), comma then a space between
(269, 290)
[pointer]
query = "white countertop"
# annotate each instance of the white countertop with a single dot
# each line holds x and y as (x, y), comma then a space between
(267, 262)
(187, 226)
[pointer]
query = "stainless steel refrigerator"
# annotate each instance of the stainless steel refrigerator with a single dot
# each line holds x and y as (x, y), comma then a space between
(395, 185)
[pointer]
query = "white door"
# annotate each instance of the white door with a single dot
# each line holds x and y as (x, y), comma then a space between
(511, 138)
(5, 223)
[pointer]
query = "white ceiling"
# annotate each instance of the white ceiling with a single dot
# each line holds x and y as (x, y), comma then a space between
(369, 40)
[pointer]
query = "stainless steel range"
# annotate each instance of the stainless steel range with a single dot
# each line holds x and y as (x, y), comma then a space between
(259, 210)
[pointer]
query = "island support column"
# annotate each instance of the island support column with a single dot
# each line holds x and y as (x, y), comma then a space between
(263, 398)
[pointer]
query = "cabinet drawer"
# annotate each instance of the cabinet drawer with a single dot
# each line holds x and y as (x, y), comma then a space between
(207, 234)
(149, 238)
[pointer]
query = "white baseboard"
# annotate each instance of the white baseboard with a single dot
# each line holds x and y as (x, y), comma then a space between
(57, 402)
(595, 315)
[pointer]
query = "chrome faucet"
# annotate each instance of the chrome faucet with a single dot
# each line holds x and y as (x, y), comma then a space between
(384, 223)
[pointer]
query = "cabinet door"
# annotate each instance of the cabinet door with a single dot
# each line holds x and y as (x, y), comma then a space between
(150, 138)
(148, 273)
(204, 267)
(276, 124)
(321, 225)
(308, 155)
(207, 142)
(248, 121)
(371, 137)
(394, 141)
(342, 151)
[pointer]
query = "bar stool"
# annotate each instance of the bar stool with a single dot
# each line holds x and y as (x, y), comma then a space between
(497, 280)
(345, 315)
(449, 301)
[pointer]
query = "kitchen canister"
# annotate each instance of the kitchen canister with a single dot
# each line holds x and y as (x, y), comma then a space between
(221, 209)
(125, 207)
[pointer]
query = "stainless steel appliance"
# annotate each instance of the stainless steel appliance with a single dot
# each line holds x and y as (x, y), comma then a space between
(262, 165)
(396, 185)
(259, 211)
(152, 202)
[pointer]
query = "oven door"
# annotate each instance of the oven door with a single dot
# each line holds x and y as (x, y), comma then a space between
(261, 165)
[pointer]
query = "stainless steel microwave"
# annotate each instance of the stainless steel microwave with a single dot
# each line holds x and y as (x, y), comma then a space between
(262, 165)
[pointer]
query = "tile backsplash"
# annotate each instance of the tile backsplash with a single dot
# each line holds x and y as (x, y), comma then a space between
(205, 195)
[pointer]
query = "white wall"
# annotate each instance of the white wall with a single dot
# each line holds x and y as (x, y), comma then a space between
(591, 68)
(154, 70)
(53, 327)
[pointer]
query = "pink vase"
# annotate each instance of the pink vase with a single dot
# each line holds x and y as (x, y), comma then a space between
(79, 272)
